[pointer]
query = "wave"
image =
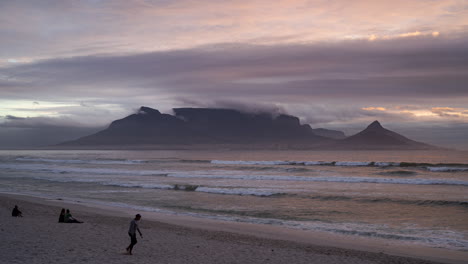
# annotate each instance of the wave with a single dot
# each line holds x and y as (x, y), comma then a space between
(446, 169)
(428, 237)
(67, 170)
(463, 204)
(341, 179)
(195, 161)
(432, 238)
(230, 175)
(240, 191)
(266, 168)
(306, 163)
(352, 163)
(262, 192)
(401, 173)
(251, 162)
(434, 167)
(79, 161)
(296, 169)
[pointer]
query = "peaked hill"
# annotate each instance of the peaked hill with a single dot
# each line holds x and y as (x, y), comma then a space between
(377, 137)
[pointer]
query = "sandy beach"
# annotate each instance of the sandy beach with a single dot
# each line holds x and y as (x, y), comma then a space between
(39, 238)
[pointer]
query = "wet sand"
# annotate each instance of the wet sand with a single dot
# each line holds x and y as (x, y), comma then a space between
(102, 238)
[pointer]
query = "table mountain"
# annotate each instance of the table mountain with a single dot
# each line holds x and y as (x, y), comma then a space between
(208, 127)
(202, 126)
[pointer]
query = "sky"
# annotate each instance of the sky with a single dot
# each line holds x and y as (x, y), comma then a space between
(69, 68)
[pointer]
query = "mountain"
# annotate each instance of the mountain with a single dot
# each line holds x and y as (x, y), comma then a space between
(328, 133)
(377, 137)
(191, 126)
(226, 128)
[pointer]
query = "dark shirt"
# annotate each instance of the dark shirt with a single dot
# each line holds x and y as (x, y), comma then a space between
(16, 212)
(133, 227)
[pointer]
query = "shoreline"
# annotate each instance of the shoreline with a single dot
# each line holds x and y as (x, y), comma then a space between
(222, 237)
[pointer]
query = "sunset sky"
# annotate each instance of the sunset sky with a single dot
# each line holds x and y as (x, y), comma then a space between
(71, 67)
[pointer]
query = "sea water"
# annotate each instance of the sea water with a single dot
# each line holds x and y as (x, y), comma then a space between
(414, 197)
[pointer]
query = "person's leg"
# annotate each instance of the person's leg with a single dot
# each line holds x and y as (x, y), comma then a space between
(132, 243)
(128, 248)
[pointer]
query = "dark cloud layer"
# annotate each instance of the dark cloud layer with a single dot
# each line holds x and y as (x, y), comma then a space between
(405, 69)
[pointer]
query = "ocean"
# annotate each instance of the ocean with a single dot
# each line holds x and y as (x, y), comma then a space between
(412, 197)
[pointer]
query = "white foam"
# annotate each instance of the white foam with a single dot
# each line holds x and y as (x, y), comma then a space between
(107, 182)
(313, 163)
(250, 162)
(343, 179)
(441, 238)
(408, 235)
(78, 161)
(446, 169)
(227, 175)
(63, 170)
(352, 163)
(387, 164)
(110, 182)
(140, 185)
(307, 163)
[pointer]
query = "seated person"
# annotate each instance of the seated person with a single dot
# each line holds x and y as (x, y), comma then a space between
(62, 216)
(16, 212)
(69, 218)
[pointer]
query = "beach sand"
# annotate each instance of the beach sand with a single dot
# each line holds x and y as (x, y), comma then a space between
(102, 238)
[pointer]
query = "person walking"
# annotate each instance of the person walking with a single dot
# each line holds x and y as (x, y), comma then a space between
(132, 233)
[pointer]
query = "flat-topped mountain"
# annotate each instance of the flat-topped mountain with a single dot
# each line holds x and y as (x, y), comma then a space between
(202, 126)
(192, 127)
(328, 133)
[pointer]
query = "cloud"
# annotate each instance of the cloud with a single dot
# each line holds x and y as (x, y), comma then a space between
(451, 112)
(35, 122)
(80, 28)
(260, 107)
(402, 69)
(372, 108)
(10, 117)
(400, 61)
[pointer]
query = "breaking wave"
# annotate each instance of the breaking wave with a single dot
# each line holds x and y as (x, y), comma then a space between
(230, 175)
(343, 179)
(66, 170)
(446, 169)
(434, 167)
(400, 173)
(79, 161)
(463, 204)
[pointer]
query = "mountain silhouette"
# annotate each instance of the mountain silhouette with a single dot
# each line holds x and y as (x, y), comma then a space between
(189, 126)
(328, 133)
(208, 127)
(377, 137)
